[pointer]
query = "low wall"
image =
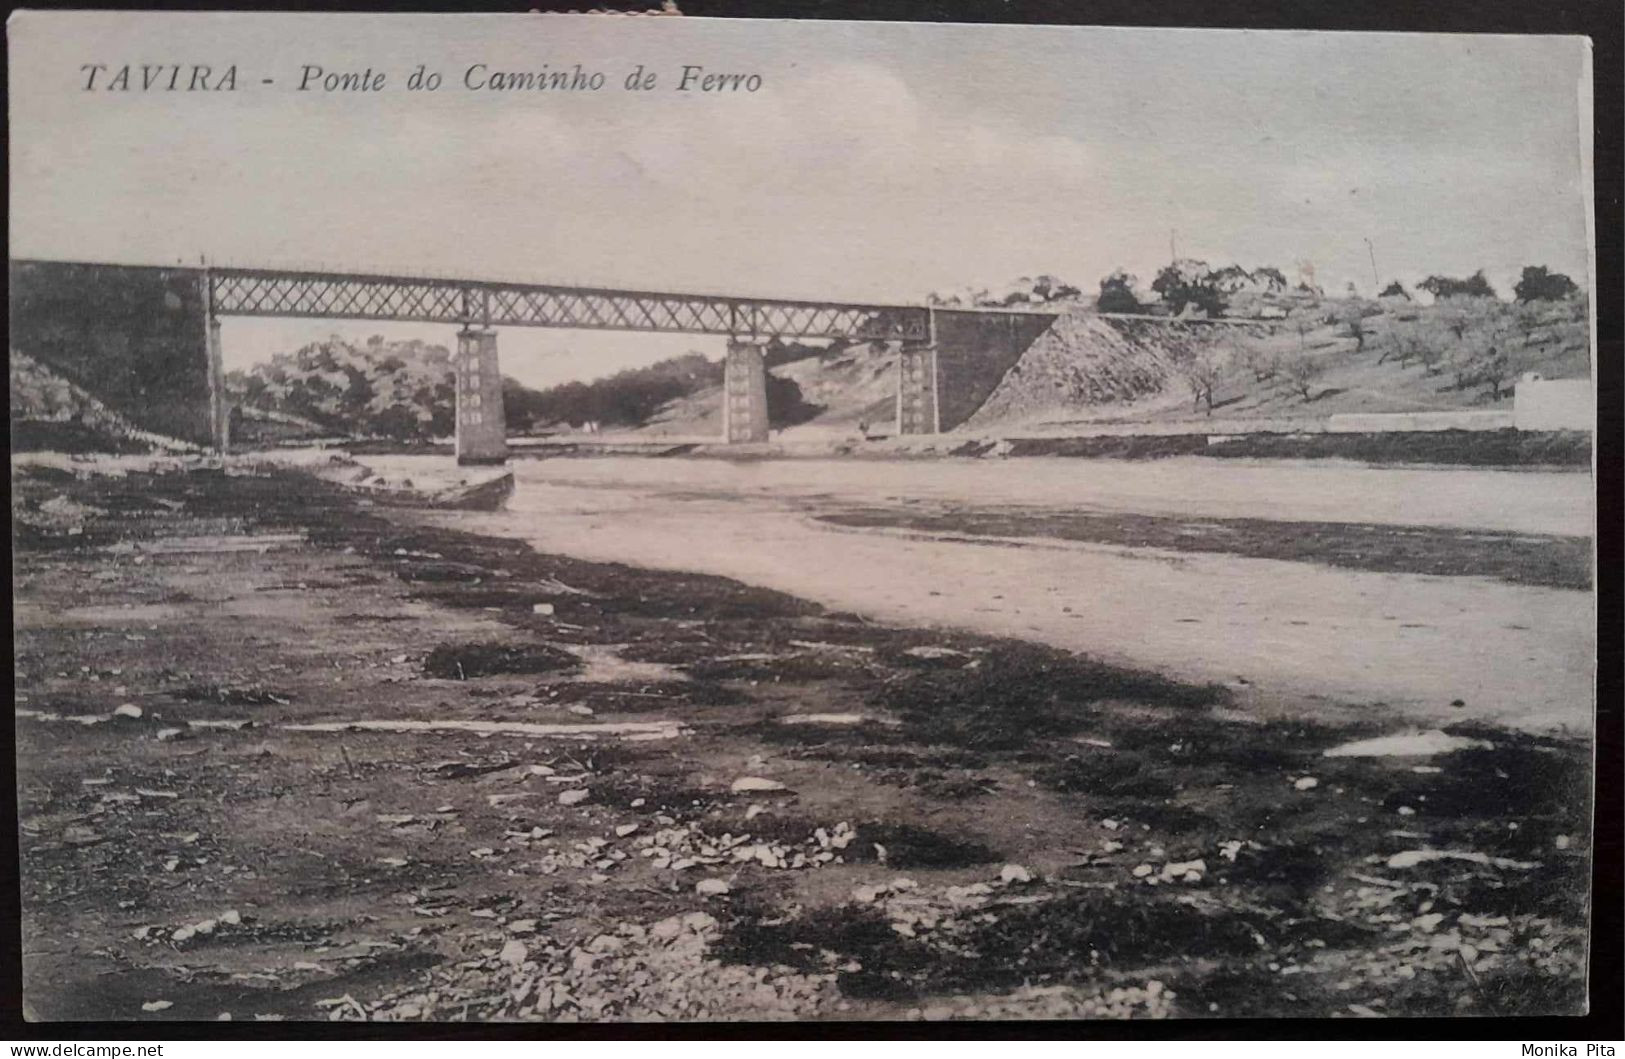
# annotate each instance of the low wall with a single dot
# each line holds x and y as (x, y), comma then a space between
(1369, 422)
(1350, 423)
(1554, 404)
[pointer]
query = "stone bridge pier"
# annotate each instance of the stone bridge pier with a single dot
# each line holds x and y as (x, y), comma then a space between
(917, 389)
(482, 428)
(744, 393)
(219, 408)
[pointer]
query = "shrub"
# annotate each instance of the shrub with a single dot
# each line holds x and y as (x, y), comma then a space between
(1540, 284)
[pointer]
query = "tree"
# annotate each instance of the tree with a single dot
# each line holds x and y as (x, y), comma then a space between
(1476, 333)
(1494, 367)
(1202, 369)
(1302, 369)
(1261, 362)
(1273, 279)
(786, 407)
(1025, 290)
(1050, 289)
(1188, 282)
(1432, 357)
(1117, 294)
(1540, 284)
(1395, 289)
(1403, 345)
(1303, 319)
(399, 422)
(1352, 315)
(1474, 286)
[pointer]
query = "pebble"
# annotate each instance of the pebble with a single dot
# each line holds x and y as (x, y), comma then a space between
(1190, 871)
(156, 1005)
(625, 829)
(1015, 873)
(711, 887)
(128, 709)
(1307, 783)
(756, 783)
(574, 797)
(514, 953)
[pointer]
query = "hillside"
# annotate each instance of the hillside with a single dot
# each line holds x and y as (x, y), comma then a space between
(1088, 360)
(820, 391)
(1327, 358)
(626, 399)
(48, 412)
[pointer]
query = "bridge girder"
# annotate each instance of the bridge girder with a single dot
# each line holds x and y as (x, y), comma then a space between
(256, 292)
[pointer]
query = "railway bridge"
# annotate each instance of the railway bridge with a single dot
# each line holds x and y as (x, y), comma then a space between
(930, 339)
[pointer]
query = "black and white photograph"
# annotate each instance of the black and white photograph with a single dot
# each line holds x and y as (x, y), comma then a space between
(623, 519)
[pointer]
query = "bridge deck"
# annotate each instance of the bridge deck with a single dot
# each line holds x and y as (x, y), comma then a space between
(267, 292)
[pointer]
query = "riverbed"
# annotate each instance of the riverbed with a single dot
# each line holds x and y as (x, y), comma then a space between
(1294, 635)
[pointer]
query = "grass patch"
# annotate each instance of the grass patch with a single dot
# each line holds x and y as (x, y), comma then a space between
(470, 660)
(1016, 694)
(908, 846)
(233, 696)
(1057, 940)
(1108, 773)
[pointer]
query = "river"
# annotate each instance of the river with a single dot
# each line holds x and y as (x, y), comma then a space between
(1296, 635)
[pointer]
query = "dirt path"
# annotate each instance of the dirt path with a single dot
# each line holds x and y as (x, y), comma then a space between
(931, 824)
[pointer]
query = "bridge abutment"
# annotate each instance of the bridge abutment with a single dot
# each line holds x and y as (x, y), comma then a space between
(744, 394)
(482, 428)
(917, 389)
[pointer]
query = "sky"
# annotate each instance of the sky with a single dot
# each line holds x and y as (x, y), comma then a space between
(877, 161)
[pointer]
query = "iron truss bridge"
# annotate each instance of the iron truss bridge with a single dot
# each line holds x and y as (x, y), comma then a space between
(478, 303)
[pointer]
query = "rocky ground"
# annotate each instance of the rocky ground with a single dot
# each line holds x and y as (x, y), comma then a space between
(285, 756)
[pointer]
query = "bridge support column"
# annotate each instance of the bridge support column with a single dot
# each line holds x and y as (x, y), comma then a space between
(482, 428)
(219, 411)
(744, 394)
(917, 389)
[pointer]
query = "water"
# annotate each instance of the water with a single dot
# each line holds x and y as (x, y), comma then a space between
(1303, 491)
(1512, 653)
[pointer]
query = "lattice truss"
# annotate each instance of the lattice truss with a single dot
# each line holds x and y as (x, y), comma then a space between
(242, 292)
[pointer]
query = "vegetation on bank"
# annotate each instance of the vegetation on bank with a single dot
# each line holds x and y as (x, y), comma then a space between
(402, 390)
